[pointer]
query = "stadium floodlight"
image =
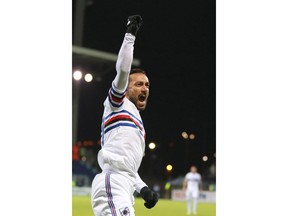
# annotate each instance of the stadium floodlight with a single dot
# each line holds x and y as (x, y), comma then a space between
(152, 145)
(88, 77)
(169, 167)
(205, 158)
(184, 135)
(192, 136)
(77, 75)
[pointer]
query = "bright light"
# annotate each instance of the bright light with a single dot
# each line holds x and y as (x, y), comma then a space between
(152, 145)
(184, 135)
(169, 167)
(205, 158)
(88, 77)
(77, 75)
(192, 136)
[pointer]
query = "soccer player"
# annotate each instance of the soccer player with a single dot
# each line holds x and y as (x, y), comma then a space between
(191, 184)
(123, 136)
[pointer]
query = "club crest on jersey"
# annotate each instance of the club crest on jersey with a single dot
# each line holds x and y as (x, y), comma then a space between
(124, 211)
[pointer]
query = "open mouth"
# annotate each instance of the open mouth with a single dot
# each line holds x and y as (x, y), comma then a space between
(142, 97)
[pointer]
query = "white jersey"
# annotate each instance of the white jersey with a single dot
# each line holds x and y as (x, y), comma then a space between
(193, 180)
(122, 129)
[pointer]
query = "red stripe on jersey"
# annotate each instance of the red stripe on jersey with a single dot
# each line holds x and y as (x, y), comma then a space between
(116, 98)
(121, 117)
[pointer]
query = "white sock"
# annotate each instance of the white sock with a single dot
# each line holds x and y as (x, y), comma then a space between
(195, 202)
(188, 206)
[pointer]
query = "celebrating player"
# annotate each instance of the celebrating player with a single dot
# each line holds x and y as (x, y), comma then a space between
(123, 136)
(192, 183)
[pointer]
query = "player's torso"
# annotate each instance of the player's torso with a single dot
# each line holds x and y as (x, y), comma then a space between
(193, 180)
(123, 134)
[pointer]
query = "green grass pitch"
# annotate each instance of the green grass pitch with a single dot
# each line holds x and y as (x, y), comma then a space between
(81, 206)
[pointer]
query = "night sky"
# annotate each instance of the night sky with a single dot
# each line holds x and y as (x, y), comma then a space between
(177, 48)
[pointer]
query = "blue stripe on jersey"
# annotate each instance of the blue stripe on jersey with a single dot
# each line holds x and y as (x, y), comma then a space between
(113, 103)
(120, 122)
(117, 94)
(116, 98)
(123, 111)
(109, 194)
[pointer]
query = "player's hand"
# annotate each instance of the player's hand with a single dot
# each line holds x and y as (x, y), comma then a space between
(133, 24)
(150, 197)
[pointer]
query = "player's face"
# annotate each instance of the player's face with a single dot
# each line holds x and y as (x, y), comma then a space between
(138, 90)
(193, 169)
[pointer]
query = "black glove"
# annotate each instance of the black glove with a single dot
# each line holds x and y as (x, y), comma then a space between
(134, 23)
(150, 197)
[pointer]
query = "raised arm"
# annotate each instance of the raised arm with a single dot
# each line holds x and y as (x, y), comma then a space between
(124, 61)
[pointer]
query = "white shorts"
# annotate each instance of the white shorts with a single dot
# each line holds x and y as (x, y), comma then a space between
(191, 194)
(112, 194)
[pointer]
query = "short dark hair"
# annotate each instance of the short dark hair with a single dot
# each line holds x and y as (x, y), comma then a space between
(137, 70)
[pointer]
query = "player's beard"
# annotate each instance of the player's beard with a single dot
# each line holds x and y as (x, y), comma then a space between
(141, 105)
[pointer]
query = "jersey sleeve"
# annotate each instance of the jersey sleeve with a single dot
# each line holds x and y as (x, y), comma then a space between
(139, 184)
(186, 176)
(118, 89)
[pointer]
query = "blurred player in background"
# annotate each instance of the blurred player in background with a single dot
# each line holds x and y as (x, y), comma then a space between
(123, 136)
(192, 184)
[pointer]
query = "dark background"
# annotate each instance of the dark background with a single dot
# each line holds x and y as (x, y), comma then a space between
(177, 48)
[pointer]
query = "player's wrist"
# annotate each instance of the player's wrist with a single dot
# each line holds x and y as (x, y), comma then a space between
(130, 37)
